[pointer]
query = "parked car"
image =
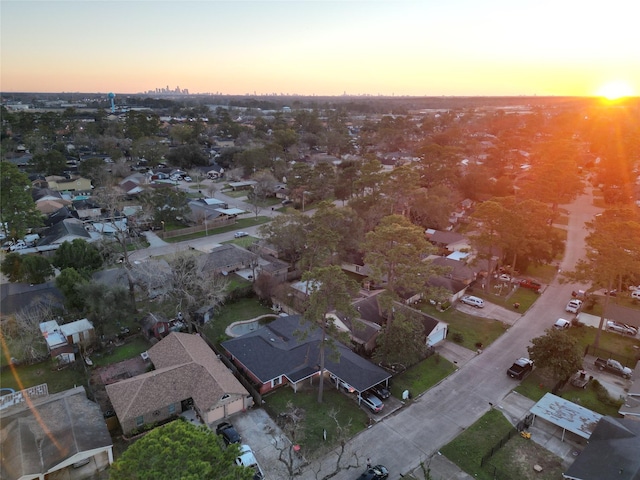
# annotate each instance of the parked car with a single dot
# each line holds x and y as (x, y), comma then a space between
(621, 328)
(520, 368)
(248, 459)
(531, 285)
(342, 384)
(381, 391)
(562, 324)
(228, 432)
(573, 306)
(378, 472)
(504, 278)
(473, 301)
(240, 234)
(287, 202)
(19, 245)
(187, 179)
(372, 402)
(635, 295)
(611, 293)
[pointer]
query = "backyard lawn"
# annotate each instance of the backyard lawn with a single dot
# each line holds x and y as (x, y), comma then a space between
(25, 376)
(315, 417)
(514, 460)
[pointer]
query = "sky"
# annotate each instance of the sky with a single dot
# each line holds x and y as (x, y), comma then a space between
(352, 47)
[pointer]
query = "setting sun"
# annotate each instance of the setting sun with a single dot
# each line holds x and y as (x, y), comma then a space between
(615, 90)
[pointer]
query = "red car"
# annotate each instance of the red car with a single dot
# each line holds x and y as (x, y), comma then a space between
(530, 284)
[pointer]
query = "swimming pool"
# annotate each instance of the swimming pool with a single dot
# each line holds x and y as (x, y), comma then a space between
(237, 329)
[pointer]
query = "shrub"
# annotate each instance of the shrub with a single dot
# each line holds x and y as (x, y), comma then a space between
(457, 337)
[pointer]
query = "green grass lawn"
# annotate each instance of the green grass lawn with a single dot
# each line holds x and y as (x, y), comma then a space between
(422, 377)
(25, 376)
(612, 342)
(541, 273)
(243, 309)
(132, 348)
(316, 417)
(474, 330)
(239, 225)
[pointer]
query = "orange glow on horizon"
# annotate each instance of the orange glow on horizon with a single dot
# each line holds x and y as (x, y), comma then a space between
(615, 90)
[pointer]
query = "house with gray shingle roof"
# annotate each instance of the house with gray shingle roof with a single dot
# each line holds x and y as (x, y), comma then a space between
(286, 351)
(226, 259)
(187, 374)
(49, 434)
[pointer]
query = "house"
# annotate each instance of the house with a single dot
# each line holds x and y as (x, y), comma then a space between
(66, 230)
(187, 374)
(449, 241)
(63, 341)
(87, 209)
(64, 184)
(200, 212)
(226, 259)
(286, 351)
(613, 451)
(63, 435)
(23, 297)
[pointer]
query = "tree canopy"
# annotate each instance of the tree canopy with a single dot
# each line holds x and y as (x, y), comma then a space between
(17, 209)
(557, 353)
(78, 254)
(179, 450)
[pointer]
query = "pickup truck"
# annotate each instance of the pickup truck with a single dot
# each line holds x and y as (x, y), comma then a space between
(613, 366)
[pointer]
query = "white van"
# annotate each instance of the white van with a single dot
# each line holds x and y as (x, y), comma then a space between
(635, 294)
(473, 301)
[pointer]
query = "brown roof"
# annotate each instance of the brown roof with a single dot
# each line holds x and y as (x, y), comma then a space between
(185, 367)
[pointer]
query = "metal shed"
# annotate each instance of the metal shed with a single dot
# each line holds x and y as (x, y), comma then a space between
(566, 415)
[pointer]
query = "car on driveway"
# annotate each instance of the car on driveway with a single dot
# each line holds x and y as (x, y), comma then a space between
(380, 391)
(621, 328)
(342, 384)
(240, 234)
(473, 301)
(562, 324)
(378, 472)
(372, 402)
(520, 368)
(228, 432)
(248, 459)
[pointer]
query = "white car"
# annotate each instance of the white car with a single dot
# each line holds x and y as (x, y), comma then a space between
(473, 301)
(573, 306)
(240, 234)
(561, 324)
(621, 328)
(248, 459)
(504, 278)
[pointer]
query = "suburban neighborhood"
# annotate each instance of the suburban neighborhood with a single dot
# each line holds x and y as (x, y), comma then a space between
(435, 288)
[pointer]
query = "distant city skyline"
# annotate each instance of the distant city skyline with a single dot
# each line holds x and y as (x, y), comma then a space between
(352, 47)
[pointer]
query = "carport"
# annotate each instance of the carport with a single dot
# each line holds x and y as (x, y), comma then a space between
(566, 415)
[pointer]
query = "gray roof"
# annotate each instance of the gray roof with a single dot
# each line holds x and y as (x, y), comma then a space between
(613, 451)
(67, 227)
(15, 297)
(225, 256)
(291, 347)
(446, 238)
(39, 436)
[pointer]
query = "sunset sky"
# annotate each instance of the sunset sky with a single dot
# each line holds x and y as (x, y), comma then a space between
(385, 47)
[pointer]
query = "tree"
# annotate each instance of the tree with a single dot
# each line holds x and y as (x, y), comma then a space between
(104, 303)
(330, 290)
(77, 254)
(34, 269)
(395, 251)
(287, 232)
(193, 286)
(263, 188)
(403, 340)
(23, 331)
(67, 282)
(17, 209)
(179, 450)
(558, 354)
(50, 163)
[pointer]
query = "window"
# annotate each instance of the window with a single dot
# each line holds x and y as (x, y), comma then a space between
(139, 421)
(172, 409)
(277, 381)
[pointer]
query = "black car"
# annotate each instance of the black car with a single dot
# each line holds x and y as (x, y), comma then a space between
(229, 433)
(379, 472)
(381, 391)
(520, 368)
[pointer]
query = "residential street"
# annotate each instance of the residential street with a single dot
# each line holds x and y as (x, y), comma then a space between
(414, 434)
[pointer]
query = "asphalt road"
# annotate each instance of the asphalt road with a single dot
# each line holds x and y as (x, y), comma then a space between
(416, 432)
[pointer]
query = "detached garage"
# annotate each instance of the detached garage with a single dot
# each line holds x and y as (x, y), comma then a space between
(187, 374)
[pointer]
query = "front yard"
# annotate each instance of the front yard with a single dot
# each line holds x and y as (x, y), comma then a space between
(421, 377)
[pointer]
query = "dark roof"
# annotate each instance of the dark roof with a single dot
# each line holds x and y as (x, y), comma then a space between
(225, 256)
(60, 215)
(38, 193)
(68, 226)
(15, 297)
(454, 286)
(289, 346)
(457, 269)
(40, 435)
(445, 238)
(613, 451)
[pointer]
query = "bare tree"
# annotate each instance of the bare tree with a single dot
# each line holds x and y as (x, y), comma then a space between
(23, 331)
(192, 286)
